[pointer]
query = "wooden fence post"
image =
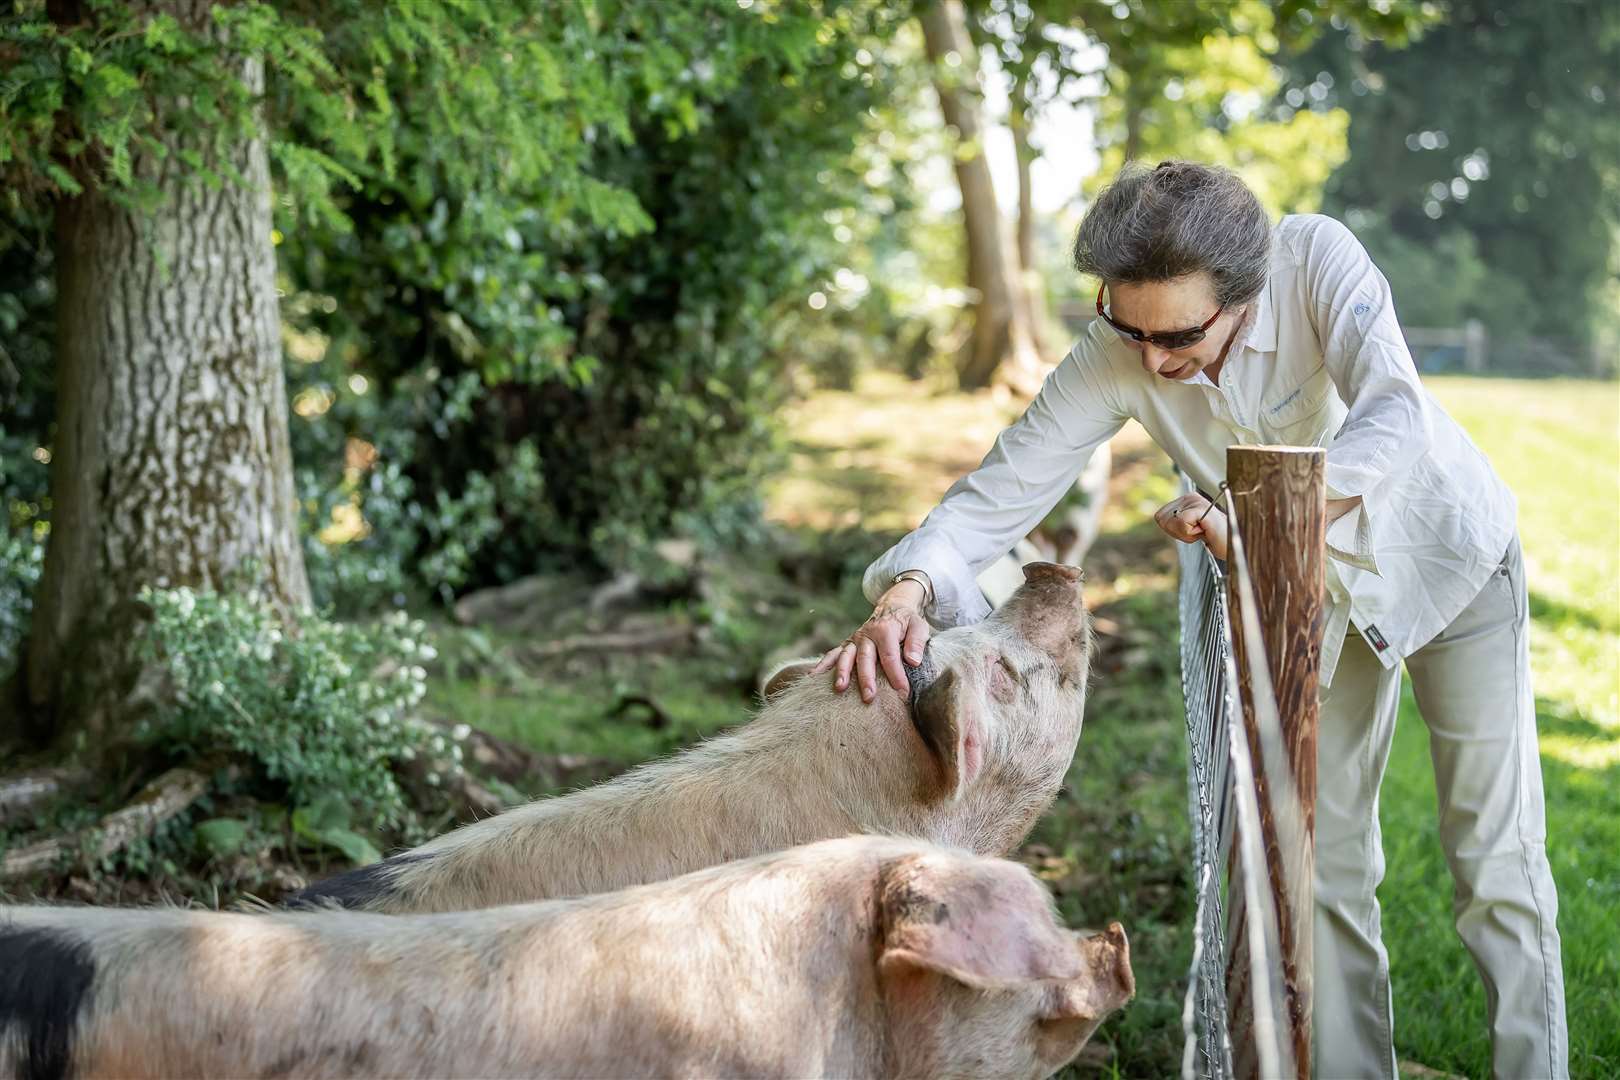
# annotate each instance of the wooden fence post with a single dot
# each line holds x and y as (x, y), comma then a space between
(1279, 492)
(1474, 345)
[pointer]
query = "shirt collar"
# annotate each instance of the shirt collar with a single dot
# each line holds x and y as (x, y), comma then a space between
(1261, 334)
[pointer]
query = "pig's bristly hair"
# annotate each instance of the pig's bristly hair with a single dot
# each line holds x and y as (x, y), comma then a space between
(921, 676)
(354, 889)
(45, 981)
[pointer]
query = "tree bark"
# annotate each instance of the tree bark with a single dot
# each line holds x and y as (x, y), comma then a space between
(1032, 292)
(1001, 333)
(171, 463)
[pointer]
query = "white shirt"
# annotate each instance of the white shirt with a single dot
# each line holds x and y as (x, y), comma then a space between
(1321, 363)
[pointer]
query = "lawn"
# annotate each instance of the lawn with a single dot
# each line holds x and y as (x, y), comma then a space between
(1557, 444)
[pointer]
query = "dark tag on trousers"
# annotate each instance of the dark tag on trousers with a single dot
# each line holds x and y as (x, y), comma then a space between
(1372, 635)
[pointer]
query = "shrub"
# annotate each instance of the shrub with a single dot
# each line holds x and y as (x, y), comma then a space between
(320, 708)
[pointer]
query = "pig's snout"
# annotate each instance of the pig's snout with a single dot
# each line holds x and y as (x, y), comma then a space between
(1047, 611)
(1054, 572)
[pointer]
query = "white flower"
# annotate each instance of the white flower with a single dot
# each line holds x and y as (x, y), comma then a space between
(216, 689)
(460, 731)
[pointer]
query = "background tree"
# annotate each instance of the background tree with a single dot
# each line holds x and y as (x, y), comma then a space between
(1191, 79)
(171, 463)
(1003, 332)
(142, 124)
(1484, 167)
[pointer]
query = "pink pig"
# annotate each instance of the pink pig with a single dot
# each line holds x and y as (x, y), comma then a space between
(857, 957)
(970, 758)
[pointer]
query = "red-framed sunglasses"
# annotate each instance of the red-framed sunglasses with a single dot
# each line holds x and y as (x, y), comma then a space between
(1168, 340)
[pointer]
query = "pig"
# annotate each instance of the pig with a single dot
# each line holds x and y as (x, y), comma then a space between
(970, 758)
(862, 956)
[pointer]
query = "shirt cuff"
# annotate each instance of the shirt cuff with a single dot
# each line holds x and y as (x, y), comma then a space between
(1349, 538)
(957, 599)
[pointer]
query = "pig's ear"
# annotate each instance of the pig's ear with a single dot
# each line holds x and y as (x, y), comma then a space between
(949, 717)
(785, 676)
(983, 923)
(1071, 1010)
(1105, 984)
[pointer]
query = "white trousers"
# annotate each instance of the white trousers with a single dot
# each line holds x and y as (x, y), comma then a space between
(1472, 684)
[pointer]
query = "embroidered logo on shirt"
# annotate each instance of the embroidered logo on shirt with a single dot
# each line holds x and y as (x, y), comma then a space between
(1374, 637)
(1361, 309)
(1285, 401)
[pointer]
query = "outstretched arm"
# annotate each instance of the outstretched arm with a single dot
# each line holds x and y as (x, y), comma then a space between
(980, 518)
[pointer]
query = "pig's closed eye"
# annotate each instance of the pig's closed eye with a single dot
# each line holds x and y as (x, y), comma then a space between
(1004, 679)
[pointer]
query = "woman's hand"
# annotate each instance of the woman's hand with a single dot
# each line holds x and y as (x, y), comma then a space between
(1193, 517)
(897, 625)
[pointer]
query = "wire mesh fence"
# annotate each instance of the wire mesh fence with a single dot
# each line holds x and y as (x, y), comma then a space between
(1235, 1015)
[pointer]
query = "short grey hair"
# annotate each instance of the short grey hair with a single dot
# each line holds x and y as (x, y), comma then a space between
(1179, 218)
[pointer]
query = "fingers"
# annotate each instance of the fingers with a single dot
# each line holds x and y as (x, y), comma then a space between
(1179, 518)
(827, 661)
(888, 650)
(879, 644)
(866, 668)
(917, 631)
(846, 661)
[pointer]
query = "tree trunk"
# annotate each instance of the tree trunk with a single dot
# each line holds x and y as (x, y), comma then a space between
(1001, 334)
(171, 463)
(1032, 292)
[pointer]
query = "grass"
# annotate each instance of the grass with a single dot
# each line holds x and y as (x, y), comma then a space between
(1557, 444)
(1116, 843)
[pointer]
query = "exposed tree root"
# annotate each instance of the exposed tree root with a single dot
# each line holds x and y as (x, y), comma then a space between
(21, 792)
(662, 637)
(157, 802)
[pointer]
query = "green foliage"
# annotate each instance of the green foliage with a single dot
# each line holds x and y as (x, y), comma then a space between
(26, 405)
(1203, 101)
(570, 384)
(319, 708)
(1497, 126)
(22, 558)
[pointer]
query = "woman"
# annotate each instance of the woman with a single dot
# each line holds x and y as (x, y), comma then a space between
(1217, 328)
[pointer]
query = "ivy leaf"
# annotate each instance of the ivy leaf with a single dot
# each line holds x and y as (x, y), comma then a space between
(326, 821)
(221, 836)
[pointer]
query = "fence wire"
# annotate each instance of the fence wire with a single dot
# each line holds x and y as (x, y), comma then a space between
(1223, 808)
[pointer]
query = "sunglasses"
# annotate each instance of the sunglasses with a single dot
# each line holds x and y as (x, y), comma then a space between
(1168, 340)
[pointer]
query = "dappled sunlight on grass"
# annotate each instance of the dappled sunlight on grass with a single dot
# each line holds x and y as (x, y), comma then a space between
(1557, 444)
(1582, 753)
(882, 454)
